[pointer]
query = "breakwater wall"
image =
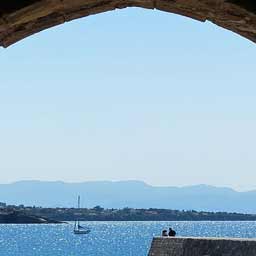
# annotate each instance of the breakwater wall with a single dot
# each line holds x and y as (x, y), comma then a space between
(192, 246)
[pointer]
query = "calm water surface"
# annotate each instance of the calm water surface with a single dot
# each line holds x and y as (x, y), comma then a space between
(106, 238)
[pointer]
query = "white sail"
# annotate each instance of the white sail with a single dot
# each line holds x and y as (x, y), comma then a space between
(78, 229)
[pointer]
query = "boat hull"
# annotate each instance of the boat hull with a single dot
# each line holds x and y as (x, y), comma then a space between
(81, 232)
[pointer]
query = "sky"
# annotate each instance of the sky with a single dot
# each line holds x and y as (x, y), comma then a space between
(130, 95)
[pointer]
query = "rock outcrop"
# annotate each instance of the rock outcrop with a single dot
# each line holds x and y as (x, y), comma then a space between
(22, 18)
(20, 218)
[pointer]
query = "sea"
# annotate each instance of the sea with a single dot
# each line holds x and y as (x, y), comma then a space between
(107, 238)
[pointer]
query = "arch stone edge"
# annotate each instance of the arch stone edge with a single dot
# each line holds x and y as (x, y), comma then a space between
(44, 14)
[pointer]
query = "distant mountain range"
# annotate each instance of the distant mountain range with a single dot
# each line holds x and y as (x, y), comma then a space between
(135, 194)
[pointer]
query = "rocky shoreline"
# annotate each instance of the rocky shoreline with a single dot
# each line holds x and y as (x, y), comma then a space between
(21, 218)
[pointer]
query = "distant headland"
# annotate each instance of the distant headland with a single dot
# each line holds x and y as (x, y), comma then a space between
(27, 214)
(21, 217)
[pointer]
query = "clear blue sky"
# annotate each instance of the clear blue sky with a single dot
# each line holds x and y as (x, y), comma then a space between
(130, 94)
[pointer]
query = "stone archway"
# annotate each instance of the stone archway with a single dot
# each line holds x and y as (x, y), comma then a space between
(22, 18)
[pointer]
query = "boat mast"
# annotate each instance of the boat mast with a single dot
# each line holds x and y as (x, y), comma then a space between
(78, 206)
(78, 202)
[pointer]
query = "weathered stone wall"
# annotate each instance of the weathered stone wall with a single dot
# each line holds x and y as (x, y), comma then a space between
(167, 246)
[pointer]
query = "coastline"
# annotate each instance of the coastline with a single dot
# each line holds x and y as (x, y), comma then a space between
(20, 218)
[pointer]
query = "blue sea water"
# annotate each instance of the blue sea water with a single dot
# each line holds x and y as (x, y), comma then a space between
(106, 238)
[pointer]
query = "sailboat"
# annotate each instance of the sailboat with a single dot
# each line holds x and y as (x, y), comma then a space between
(78, 229)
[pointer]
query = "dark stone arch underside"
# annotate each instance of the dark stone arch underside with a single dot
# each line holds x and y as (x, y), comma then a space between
(22, 18)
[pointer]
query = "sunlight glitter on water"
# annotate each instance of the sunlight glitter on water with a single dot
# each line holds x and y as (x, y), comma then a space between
(106, 238)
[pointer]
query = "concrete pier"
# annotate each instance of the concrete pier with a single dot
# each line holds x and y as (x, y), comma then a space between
(193, 246)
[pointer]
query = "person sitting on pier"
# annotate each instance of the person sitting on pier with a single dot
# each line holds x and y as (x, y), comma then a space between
(164, 232)
(171, 232)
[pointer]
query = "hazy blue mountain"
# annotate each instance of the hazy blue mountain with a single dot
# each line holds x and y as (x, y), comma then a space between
(127, 194)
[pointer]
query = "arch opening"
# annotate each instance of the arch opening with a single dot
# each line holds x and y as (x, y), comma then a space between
(22, 18)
